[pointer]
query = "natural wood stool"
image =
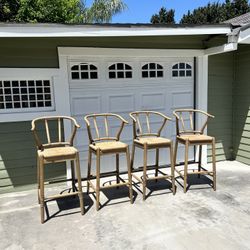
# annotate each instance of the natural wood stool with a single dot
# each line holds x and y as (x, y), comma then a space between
(189, 136)
(150, 140)
(58, 150)
(106, 145)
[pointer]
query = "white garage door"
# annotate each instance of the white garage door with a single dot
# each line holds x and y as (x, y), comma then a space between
(122, 85)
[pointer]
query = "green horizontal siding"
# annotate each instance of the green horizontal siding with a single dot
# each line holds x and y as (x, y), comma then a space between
(18, 158)
(241, 105)
(220, 83)
(42, 52)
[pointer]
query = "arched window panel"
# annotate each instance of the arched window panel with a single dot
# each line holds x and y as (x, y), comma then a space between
(181, 69)
(120, 71)
(152, 70)
(84, 71)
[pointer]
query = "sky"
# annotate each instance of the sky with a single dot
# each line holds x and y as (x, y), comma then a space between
(140, 11)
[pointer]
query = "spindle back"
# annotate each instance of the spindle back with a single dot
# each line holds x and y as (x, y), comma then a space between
(96, 123)
(185, 121)
(57, 122)
(147, 117)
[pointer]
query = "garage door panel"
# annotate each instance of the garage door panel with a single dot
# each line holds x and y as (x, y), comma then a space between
(121, 103)
(86, 104)
(153, 101)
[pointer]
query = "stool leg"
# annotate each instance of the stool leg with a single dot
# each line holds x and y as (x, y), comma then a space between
(129, 176)
(214, 164)
(144, 181)
(98, 155)
(41, 180)
(89, 169)
(73, 178)
(175, 152)
(117, 169)
(132, 157)
(186, 167)
(200, 157)
(38, 178)
(79, 180)
(156, 163)
(172, 168)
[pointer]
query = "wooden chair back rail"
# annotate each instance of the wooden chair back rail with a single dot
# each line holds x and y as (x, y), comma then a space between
(107, 136)
(180, 121)
(137, 123)
(59, 120)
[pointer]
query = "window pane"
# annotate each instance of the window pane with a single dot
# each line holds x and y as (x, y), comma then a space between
(182, 65)
(152, 73)
(175, 66)
(174, 73)
(93, 75)
(159, 73)
(145, 74)
(111, 74)
(120, 74)
(182, 73)
(145, 66)
(74, 75)
(189, 73)
(129, 74)
(120, 66)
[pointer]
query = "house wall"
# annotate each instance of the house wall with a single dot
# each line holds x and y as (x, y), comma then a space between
(220, 103)
(241, 105)
(42, 52)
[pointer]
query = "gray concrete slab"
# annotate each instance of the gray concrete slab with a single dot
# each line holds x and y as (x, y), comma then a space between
(199, 219)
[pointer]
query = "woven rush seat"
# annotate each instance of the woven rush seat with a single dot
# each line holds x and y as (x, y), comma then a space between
(109, 146)
(58, 153)
(153, 141)
(196, 138)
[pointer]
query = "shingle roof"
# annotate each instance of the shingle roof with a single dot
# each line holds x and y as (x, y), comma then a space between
(240, 20)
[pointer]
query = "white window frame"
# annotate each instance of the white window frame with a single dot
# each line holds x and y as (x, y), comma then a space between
(110, 63)
(59, 93)
(182, 77)
(164, 71)
(78, 63)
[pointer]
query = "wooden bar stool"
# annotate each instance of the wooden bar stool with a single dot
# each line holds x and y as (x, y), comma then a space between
(150, 140)
(107, 144)
(56, 149)
(187, 134)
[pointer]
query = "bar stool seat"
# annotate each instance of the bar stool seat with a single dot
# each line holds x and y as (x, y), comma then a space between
(153, 141)
(58, 153)
(109, 146)
(196, 138)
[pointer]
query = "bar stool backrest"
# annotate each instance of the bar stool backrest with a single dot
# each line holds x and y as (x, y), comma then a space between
(55, 124)
(185, 121)
(104, 127)
(148, 123)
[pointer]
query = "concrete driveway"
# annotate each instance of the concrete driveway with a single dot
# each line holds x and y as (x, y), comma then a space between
(199, 219)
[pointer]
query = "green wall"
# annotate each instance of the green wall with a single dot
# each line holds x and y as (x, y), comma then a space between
(18, 158)
(220, 99)
(42, 52)
(241, 105)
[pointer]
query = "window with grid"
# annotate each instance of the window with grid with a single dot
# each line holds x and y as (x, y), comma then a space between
(182, 70)
(152, 70)
(25, 94)
(84, 71)
(120, 70)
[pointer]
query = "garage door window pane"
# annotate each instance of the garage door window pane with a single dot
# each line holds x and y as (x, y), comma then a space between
(152, 70)
(84, 71)
(120, 71)
(181, 70)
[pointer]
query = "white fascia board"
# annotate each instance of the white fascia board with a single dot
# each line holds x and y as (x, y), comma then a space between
(221, 49)
(75, 52)
(244, 36)
(19, 31)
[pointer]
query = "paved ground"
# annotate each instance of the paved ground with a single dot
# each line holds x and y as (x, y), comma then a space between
(200, 219)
